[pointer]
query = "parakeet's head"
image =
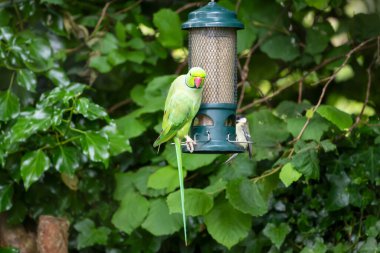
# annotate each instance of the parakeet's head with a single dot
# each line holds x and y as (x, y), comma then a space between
(195, 78)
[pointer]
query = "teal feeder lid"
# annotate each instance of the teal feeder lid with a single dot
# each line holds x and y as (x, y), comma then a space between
(212, 46)
(212, 15)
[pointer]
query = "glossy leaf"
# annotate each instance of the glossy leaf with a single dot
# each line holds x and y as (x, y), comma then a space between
(6, 194)
(33, 165)
(89, 109)
(95, 145)
(9, 106)
(66, 159)
(27, 79)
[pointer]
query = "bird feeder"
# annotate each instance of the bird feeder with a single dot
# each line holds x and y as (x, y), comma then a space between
(212, 46)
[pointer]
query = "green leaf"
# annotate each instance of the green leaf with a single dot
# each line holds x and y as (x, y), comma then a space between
(89, 109)
(267, 131)
(307, 163)
(57, 2)
(197, 202)
(318, 4)
(281, 47)
(169, 26)
(95, 145)
(59, 77)
(66, 159)
(33, 165)
(38, 55)
(27, 79)
(159, 222)
(276, 234)
(314, 131)
(227, 225)
(130, 127)
(339, 118)
(9, 106)
(131, 213)
(107, 44)
(164, 178)
(124, 184)
(327, 145)
(9, 250)
(317, 247)
(288, 174)
(190, 162)
(370, 246)
(117, 141)
(100, 63)
(339, 196)
(89, 235)
(318, 38)
(6, 194)
(140, 181)
(250, 197)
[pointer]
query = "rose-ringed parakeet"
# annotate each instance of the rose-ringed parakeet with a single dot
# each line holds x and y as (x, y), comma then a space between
(181, 106)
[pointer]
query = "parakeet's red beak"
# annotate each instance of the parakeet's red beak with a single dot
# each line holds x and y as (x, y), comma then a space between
(197, 81)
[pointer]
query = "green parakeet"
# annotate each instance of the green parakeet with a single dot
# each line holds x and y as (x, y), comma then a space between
(181, 106)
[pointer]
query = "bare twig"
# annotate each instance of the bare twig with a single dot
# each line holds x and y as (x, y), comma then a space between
(181, 66)
(237, 6)
(368, 90)
(331, 78)
(188, 6)
(300, 89)
(118, 105)
(102, 16)
(130, 7)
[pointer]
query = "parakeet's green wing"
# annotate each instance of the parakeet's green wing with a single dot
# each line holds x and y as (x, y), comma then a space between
(177, 112)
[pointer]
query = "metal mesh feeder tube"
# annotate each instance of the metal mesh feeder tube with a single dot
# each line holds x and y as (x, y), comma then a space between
(212, 46)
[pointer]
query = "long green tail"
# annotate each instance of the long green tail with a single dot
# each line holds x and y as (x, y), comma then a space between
(178, 152)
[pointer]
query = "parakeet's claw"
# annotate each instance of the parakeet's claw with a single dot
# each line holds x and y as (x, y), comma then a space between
(190, 144)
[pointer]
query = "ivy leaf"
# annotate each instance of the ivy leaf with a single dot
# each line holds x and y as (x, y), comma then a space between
(307, 163)
(339, 196)
(159, 222)
(197, 202)
(9, 250)
(169, 26)
(27, 79)
(33, 165)
(250, 197)
(227, 225)
(164, 178)
(59, 77)
(89, 235)
(66, 159)
(90, 110)
(131, 213)
(38, 55)
(317, 247)
(9, 106)
(288, 174)
(276, 234)
(95, 145)
(281, 47)
(118, 142)
(339, 118)
(6, 194)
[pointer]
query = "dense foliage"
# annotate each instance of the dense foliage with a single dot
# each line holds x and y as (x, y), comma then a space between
(307, 83)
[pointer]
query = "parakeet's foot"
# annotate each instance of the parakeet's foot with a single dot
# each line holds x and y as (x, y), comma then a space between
(190, 144)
